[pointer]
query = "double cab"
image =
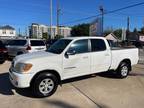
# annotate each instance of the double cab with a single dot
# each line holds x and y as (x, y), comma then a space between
(68, 58)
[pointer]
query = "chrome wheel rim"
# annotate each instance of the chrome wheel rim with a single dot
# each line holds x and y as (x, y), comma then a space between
(124, 71)
(46, 86)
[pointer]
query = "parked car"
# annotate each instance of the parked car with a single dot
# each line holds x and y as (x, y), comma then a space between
(22, 46)
(68, 58)
(3, 53)
(50, 42)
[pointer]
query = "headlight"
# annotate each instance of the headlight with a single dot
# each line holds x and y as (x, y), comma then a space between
(23, 67)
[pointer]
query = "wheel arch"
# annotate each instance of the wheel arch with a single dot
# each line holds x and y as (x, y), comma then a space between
(128, 61)
(45, 72)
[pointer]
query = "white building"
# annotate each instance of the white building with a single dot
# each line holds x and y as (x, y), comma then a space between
(112, 37)
(37, 30)
(7, 31)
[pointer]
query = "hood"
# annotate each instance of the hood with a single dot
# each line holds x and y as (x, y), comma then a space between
(32, 56)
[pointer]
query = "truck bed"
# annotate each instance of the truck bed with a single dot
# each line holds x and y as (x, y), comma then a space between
(119, 53)
(122, 48)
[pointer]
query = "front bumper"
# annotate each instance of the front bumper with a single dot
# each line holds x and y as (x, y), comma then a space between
(20, 80)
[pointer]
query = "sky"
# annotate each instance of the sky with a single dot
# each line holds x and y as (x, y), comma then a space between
(21, 13)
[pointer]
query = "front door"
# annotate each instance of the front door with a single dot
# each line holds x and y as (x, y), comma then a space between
(77, 64)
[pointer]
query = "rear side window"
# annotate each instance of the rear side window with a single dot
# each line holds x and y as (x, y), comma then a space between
(80, 46)
(97, 45)
(17, 42)
(37, 43)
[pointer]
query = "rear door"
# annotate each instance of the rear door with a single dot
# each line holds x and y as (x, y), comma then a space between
(79, 63)
(100, 56)
(37, 45)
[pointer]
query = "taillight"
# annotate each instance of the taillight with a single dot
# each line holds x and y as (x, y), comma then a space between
(28, 48)
(3, 50)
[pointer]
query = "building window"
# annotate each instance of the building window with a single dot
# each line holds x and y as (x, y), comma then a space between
(11, 32)
(4, 32)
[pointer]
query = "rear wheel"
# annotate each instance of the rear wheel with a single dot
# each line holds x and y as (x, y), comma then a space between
(2, 59)
(1, 62)
(19, 53)
(45, 85)
(123, 70)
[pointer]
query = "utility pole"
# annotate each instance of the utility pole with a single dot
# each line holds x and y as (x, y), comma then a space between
(19, 32)
(58, 16)
(128, 27)
(143, 23)
(51, 34)
(102, 16)
(26, 31)
(128, 24)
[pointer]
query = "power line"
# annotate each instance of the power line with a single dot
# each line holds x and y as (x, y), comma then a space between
(123, 8)
(76, 12)
(109, 12)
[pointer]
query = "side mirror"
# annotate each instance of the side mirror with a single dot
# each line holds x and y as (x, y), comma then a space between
(70, 52)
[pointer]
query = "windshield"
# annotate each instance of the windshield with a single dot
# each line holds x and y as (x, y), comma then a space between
(37, 43)
(59, 46)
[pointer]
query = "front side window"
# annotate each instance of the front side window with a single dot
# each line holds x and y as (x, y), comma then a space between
(80, 46)
(97, 45)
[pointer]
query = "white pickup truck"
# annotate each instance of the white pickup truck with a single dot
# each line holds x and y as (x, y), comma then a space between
(68, 58)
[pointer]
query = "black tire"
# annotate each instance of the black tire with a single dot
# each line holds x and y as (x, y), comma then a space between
(36, 85)
(1, 62)
(19, 53)
(123, 70)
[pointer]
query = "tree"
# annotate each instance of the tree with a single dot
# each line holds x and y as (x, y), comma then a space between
(108, 30)
(118, 33)
(135, 30)
(142, 30)
(80, 30)
(45, 36)
(59, 36)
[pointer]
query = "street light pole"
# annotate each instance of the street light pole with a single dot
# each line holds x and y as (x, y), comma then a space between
(102, 14)
(51, 34)
(58, 14)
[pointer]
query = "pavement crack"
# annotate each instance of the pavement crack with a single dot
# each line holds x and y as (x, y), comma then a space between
(86, 96)
(140, 82)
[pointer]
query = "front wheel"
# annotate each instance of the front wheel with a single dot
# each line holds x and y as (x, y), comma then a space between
(45, 85)
(123, 70)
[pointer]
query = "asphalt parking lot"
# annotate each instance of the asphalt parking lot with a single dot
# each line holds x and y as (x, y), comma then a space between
(97, 91)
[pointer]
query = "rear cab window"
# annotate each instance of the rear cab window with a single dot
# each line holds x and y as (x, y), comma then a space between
(98, 45)
(17, 43)
(37, 43)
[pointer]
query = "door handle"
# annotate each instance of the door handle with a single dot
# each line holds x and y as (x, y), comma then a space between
(86, 57)
(106, 54)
